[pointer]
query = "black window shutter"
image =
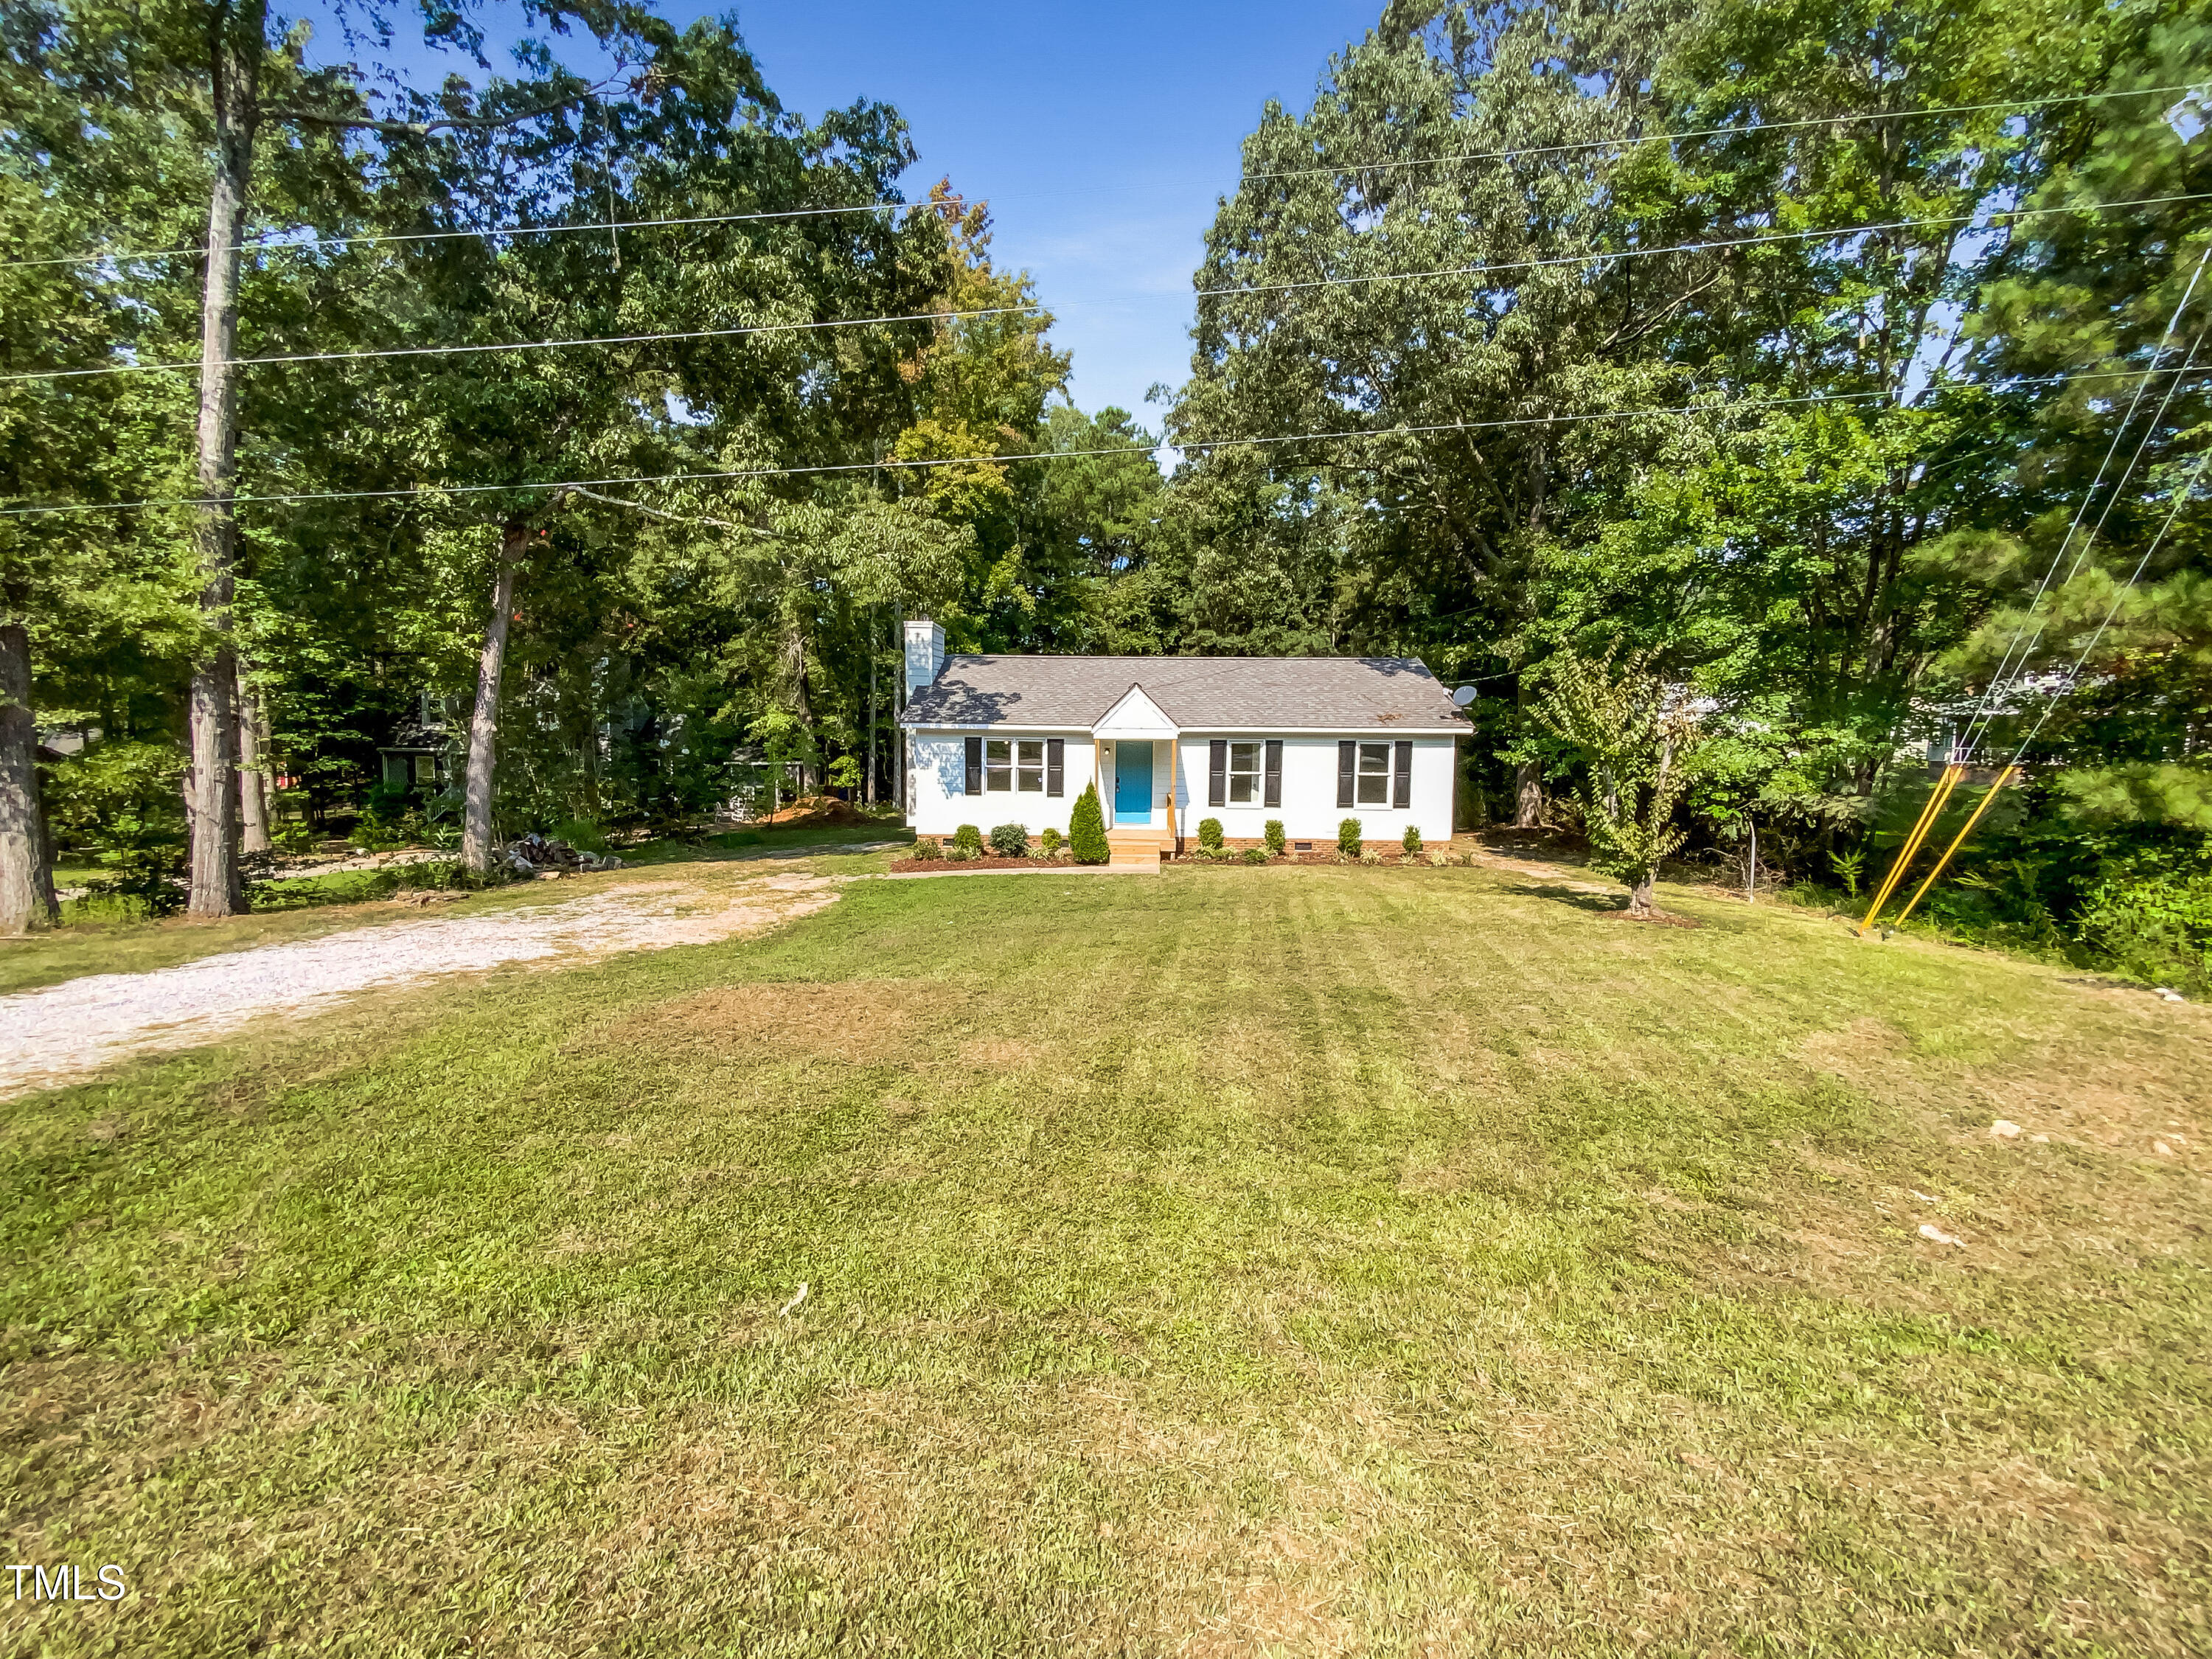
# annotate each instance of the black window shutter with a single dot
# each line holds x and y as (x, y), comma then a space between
(975, 785)
(1347, 762)
(1216, 772)
(1401, 791)
(1275, 784)
(1055, 765)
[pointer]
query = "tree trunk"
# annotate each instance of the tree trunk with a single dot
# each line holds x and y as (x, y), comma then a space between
(1640, 895)
(898, 707)
(235, 35)
(26, 872)
(794, 648)
(869, 793)
(1528, 795)
(252, 767)
(484, 720)
(268, 751)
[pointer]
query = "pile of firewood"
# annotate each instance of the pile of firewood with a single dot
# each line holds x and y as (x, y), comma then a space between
(534, 854)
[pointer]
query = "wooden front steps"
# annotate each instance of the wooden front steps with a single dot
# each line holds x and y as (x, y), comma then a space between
(1134, 848)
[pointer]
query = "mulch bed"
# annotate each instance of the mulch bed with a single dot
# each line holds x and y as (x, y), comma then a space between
(904, 867)
(1391, 859)
(814, 811)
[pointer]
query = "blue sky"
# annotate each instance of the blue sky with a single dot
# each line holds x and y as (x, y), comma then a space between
(1102, 134)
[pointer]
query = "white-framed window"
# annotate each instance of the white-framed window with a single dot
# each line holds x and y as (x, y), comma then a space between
(1028, 765)
(1374, 774)
(998, 764)
(1245, 786)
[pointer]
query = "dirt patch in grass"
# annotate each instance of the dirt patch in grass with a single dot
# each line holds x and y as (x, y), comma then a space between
(1865, 1047)
(1000, 1054)
(2121, 1105)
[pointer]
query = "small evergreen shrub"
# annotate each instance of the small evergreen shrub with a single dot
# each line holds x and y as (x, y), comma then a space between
(1413, 842)
(1049, 840)
(1010, 841)
(1255, 856)
(968, 842)
(1086, 827)
(929, 849)
(1209, 834)
(1273, 832)
(1347, 838)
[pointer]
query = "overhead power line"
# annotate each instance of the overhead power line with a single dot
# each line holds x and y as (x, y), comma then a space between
(193, 366)
(1750, 129)
(584, 486)
(1992, 214)
(2073, 674)
(2008, 673)
(525, 345)
(286, 245)
(1747, 130)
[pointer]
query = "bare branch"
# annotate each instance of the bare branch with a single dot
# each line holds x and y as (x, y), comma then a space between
(423, 128)
(656, 512)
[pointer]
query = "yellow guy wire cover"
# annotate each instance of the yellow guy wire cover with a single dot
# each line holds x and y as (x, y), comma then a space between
(1911, 849)
(2003, 778)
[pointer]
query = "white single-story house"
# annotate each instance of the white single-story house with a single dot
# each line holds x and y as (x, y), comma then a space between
(1173, 740)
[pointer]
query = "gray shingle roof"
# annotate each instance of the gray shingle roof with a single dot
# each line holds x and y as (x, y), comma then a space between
(1197, 693)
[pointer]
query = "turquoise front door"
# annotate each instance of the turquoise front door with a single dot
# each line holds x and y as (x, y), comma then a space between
(1133, 783)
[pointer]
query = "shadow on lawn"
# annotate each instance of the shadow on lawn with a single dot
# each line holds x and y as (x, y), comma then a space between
(1614, 905)
(1596, 903)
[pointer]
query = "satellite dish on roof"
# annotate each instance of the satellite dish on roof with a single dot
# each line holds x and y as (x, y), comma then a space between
(1463, 696)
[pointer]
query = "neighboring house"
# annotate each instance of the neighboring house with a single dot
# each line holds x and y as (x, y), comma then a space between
(1171, 741)
(420, 753)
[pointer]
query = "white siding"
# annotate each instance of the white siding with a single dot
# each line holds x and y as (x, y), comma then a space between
(940, 805)
(1310, 812)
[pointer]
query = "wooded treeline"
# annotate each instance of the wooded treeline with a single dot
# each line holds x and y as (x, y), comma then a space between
(1834, 361)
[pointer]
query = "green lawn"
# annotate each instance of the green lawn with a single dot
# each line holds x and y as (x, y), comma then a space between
(1241, 1261)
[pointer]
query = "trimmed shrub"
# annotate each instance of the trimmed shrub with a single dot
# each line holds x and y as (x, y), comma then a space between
(1010, 841)
(1209, 834)
(1413, 842)
(1255, 856)
(968, 842)
(1086, 827)
(1275, 835)
(1347, 838)
(1049, 840)
(929, 849)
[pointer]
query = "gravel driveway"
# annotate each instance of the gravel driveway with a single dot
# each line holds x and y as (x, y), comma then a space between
(66, 1031)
